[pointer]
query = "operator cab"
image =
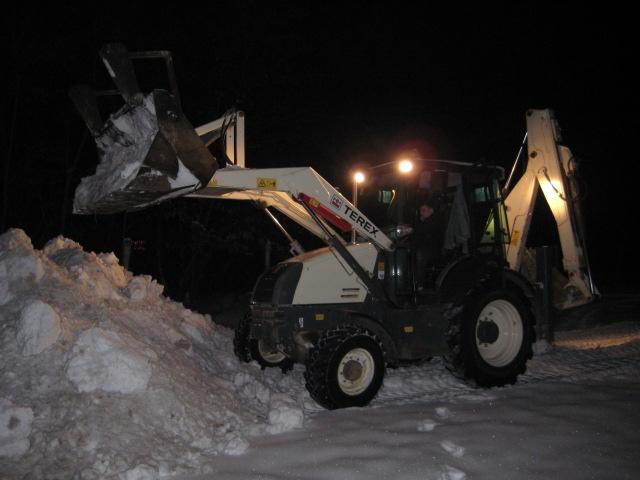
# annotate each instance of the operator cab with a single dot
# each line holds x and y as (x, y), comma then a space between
(467, 219)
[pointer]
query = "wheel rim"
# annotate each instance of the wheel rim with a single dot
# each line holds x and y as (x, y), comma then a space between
(355, 371)
(269, 356)
(499, 333)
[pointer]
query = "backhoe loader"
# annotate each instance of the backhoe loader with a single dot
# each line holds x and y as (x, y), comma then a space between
(351, 309)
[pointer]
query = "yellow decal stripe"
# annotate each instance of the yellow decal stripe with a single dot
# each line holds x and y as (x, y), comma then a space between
(266, 182)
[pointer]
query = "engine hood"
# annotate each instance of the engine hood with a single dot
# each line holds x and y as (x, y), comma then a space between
(327, 278)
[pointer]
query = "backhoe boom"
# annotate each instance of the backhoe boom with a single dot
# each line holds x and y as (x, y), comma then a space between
(551, 168)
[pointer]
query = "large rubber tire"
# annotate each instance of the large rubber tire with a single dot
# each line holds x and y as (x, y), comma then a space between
(345, 368)
(247, 349)
(490, 338)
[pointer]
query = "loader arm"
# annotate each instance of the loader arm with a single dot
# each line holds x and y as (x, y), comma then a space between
(551, 168)
(149, 153)
(291, 191)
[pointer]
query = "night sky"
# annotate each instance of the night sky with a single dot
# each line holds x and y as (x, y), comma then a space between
(327, 85)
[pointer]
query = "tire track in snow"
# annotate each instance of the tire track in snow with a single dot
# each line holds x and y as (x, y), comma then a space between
(433, 382)
(565, 364)
(451, 473)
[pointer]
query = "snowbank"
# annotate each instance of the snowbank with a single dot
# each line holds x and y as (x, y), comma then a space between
(39, 328)
(103, 377)
(15, 427)
(103, 360)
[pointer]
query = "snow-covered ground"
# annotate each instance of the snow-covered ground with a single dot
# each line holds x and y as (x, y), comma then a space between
(550, 430)
(574, 415)
(102, 377)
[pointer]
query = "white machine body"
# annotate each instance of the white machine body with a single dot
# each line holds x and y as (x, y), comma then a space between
(327, 278)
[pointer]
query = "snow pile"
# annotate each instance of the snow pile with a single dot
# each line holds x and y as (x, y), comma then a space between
(15, 427)
(103, 377)
(38, 328)
(284, 414)
(19, 269)
(102, 360)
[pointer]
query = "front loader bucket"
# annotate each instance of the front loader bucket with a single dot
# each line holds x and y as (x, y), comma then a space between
(148, 153)
(148, 150)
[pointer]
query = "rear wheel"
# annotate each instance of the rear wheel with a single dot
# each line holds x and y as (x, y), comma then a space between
(498, 333)
(345, 368)
(490, 338)
(247, 349)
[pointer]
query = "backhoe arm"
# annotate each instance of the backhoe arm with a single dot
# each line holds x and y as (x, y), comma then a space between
(550, 168)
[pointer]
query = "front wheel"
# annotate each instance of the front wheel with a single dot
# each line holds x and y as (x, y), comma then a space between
(268, 358)
(490, 338)
(345, 368)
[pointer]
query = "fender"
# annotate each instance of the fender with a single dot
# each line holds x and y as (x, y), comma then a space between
(521, 283)
(376, 327)
(463, 275)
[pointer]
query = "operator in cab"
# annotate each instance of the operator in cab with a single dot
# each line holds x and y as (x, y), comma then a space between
(426, 243)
